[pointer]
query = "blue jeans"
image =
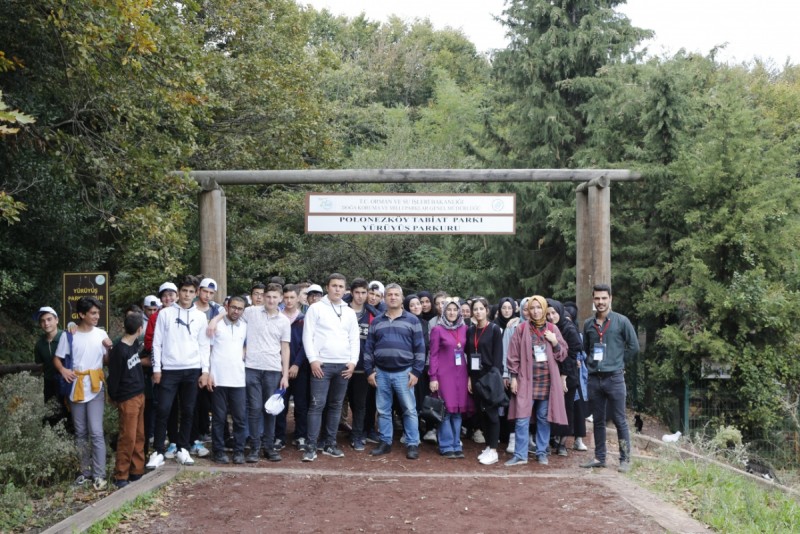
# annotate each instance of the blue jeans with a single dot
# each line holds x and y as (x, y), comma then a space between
(326, 392)
(542, 431)
(227, 400)
(450, 433)
(180, 383)
(261, 385)
(396, 382)
(609, 390)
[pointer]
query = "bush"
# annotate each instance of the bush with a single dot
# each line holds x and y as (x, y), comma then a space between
(33, 452)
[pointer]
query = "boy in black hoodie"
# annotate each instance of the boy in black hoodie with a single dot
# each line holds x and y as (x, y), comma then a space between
(126, 389)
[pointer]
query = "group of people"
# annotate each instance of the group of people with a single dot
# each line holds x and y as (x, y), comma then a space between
(521, 372)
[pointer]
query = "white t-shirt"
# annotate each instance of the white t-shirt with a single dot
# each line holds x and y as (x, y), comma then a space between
(87, 354)
(227, 354)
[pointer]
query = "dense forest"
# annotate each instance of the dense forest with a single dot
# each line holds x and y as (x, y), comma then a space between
(100, 100)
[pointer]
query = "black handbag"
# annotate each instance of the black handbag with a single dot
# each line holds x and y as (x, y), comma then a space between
(432, 409)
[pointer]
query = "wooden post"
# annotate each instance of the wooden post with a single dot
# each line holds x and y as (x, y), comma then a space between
(212, 239)
(600, 233)
(583, 257)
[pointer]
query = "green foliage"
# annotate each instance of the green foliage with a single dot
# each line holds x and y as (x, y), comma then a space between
(719, 498)
(33, 452)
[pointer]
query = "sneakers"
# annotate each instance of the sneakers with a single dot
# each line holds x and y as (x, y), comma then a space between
(300, 443)
(238, 458)
(477, 437)
(121, 483)
(516, 461)
(279, 444)
(430, 435)
(156, 461)
(382, 448)
(183, 457)
(458, 455)
(171, 451)
(198, 449)
(205, 438)
(134, 478)
(542, 459)
(403, 439)
(81, 480)
(272, 455)
(412, 453)
(594, 462)
(333, 450)
(579, 445)
(562, 450)
(221, 458)
(373, 437)
(484, 452)
(489, 457)
(100, 484)
(358, 444)
(624, 466)
(310, 455)
(590, 419)
(510, 448)
(252, 456)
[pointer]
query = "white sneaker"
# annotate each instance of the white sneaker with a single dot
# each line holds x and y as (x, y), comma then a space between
(198, 449)
(156, 461)
(489, 458)
(99, 484)
(403, 439)
(579, 445)
(510, 448)
(477, 437)
(430, 435)
(171, 450)
(590, 418)
(183, 457)
(484, 452)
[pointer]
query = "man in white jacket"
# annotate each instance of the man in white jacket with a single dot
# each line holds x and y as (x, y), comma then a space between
(332, 344)
(180, 364)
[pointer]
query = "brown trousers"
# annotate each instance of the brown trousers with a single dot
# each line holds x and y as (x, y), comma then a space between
(130, 445)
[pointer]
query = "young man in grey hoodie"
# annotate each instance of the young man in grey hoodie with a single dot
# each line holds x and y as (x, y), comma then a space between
(331, 339)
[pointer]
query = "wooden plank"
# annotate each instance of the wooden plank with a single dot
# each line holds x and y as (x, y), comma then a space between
(212, 179)
(99, 510)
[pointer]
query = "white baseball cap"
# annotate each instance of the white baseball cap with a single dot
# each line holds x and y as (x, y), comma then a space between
(167, 286)
(150, 301)
(45, 309)
(209, 283)
(314, 288)
(376, 286)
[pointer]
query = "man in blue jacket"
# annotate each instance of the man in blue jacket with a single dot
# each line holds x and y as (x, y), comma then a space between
(394, 358)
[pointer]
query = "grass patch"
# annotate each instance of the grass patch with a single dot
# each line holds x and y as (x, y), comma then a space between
(126, 512)
(723, 500)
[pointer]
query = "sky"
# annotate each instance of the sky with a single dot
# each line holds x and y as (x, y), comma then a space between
(764, 29)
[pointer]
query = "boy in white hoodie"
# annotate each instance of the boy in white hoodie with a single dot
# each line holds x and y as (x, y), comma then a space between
(332, 344)
(180, 363)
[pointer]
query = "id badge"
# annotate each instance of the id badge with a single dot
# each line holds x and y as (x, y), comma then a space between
(599, 351)
(458, 356)
(475, 362)
(539, 353)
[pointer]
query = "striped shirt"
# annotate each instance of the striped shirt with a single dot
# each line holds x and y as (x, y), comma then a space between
(395, 344)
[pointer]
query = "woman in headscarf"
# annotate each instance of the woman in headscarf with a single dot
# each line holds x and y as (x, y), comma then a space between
(449, 376)
(535, 349)
(505, 312)
(507, 333)
(426, 300)
(580, 405)
(570, 374)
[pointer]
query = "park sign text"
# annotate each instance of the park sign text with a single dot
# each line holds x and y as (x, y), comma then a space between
(77, 285)
(343, 213)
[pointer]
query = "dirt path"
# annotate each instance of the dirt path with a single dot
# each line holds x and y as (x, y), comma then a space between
(360, 493)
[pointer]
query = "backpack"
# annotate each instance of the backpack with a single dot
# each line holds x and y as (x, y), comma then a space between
(64, 387)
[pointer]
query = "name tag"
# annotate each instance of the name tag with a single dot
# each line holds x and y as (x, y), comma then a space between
(539, 353)
(599, 351)
(458, 356)
(475, 362)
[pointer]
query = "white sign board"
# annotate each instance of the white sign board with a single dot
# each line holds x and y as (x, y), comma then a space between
(410, 214)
